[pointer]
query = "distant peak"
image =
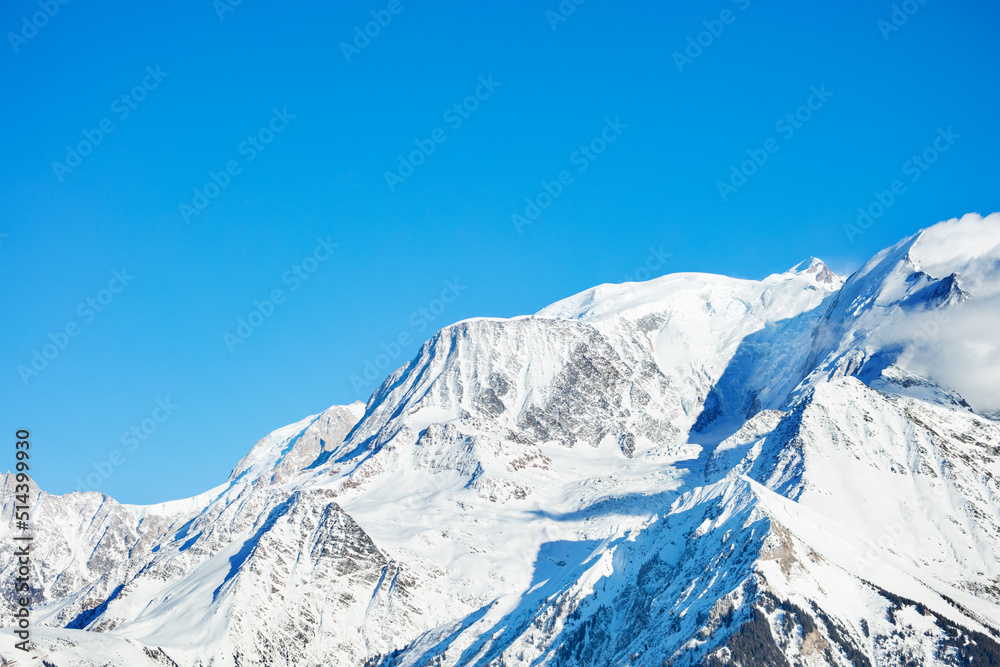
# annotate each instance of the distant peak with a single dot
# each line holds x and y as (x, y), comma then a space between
(816, 268)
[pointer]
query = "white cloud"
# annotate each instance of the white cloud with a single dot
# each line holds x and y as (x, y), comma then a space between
(958, 348)
(969, 245)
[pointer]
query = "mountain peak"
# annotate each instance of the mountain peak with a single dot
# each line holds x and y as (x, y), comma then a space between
(817, 268)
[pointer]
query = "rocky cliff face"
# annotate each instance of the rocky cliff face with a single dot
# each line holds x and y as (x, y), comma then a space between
(695, 470)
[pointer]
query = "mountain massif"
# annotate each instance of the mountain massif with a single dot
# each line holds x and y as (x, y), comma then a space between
(693, 470)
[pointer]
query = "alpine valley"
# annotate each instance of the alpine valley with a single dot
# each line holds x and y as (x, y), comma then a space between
(693, 470)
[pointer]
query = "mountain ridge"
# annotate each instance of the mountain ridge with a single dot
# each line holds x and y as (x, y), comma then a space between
(666, 472)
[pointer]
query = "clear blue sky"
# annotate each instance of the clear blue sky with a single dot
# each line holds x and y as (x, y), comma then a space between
(188, 278)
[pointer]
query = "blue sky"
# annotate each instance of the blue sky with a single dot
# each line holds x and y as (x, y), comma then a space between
(247, 161)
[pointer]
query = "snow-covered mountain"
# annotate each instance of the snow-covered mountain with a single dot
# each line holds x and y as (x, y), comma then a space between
(694, 470)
